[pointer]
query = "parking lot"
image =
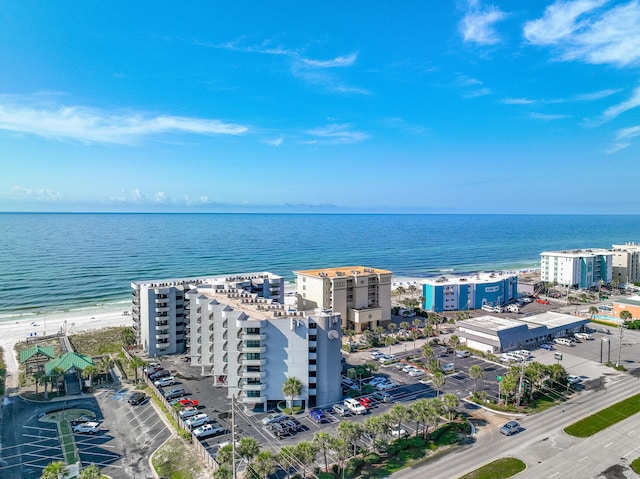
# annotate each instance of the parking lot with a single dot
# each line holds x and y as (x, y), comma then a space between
(127, 436)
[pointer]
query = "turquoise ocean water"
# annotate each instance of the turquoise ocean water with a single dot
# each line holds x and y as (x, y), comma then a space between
(53, 262)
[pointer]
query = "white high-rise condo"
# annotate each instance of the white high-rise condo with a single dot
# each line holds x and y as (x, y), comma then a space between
(581, 268)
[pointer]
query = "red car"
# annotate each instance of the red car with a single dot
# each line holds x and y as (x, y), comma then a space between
(188, 402)
(542, 301)
(365, 401)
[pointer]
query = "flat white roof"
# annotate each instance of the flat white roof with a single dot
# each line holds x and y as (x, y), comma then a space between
(476, 278)
(577, 253)
(549, 320)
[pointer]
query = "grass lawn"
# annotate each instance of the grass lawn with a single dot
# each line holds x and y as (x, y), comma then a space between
(176, 460)
(499, 469)
(606, 417)
(635, 465)
(98, 342)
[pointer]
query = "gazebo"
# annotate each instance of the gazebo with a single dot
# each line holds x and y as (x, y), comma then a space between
(69, 363)
(34, 358)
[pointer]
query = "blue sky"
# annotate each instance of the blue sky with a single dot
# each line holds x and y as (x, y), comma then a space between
(361, 106)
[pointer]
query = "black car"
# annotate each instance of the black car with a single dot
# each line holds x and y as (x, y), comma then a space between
(137, 398)
(278, 429)
(159, 375)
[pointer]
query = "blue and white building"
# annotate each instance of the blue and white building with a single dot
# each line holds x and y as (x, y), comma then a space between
(463, 293)
(580, 268)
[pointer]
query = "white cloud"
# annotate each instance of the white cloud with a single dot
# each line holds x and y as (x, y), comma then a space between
(337, 134)
(597, 95)
(517, 101)
(162, 197)
(275, 142)
(627, 133)
(36, 193)
(585, 30)
(477, 93)
(547, 117)
(632, 102)
(92, 125)
(478, 25)
(345, 61)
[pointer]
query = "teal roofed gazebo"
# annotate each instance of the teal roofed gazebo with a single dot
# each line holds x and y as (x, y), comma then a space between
(68, 361)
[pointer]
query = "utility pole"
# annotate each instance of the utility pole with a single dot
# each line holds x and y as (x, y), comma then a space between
(520, 384)
(620, 331)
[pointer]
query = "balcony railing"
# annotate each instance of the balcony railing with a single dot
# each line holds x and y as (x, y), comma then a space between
(254, 374)
(162, 345)
(254, 362)
(253, 400)
(254, 387)
(254, 336)
(254, 349)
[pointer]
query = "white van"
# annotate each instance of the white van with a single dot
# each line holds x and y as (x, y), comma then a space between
(354, 406)
(563, 342)
(583, 336)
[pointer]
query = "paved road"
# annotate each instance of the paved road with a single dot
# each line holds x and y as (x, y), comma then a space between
(546, 449)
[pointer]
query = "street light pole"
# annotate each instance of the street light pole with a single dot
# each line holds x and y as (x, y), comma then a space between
(621, 330)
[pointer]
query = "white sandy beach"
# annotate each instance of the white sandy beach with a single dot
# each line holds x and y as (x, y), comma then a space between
(12, 332)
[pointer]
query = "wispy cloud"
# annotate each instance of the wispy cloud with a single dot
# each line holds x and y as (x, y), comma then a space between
(597, 95)
(41, 194)
(615, 111)
(336, 134)
(586, 30)
(518, 101)
(403, 125)
(91, 125)
(478, 24)
(547, 117)
(311, 70)
(624, 137)
(275, 141)
(472, 87)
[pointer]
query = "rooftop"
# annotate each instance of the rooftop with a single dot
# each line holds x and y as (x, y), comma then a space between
(480, 277)
(342, 271)
(236, 277)
(577, 253)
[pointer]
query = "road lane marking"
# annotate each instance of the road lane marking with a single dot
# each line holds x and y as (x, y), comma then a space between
(633, 450)
(554, 475)
(585, 457)
(608, 444)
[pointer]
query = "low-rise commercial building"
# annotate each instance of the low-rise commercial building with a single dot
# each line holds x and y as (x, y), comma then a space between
(463, 293)
(495, 335)
(631, 304)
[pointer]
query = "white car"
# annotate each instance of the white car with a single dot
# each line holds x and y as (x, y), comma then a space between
(168, 381)
(275, 417)
(408, 367)
(574, 379)
(416, 373)
(208, 430)
(383, 386)
(87, 428)
(354, 406)
(188, 412)
(197, 420)
(377, 379)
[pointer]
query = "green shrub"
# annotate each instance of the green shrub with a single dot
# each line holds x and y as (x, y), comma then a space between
(372, 458)
(635, 465)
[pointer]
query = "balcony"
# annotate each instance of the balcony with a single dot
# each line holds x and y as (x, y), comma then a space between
(312, 392)
(313, 367)
(313, 355)
(164, 309)
(254, 349)
(253, 400)
(162, 345)
(163, 336)
(162, 301)
(254, 387)
(313, 344)
(162, 326)
(254, 336)
(254, 374)
(254, 362)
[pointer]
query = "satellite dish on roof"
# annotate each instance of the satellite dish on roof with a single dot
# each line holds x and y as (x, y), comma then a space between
(333, 334)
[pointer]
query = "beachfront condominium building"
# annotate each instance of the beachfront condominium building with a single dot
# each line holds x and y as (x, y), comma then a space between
(161, 313)
(251, 345)
(462, 293)
(361, 295)
(626, 263)
(581, 268)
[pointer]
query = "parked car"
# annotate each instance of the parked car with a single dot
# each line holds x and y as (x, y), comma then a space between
(416, 373)
(396, 433)
(510, 428)
(161, 373)
(382, 396)
(385, 386)
(571, 379)
(317, 415)
(293, 424)
(365, 401)
(354, 406)
(340, 410)
(583, 336)
(278, 429)
(546, 346)
(208, 430)
(197, 420)
(448, 367)
(186, 402)
(136, 398)
(377, 380)
(168, 381)
(87, 428)
(563, 342)
(408, 368)
(463, 354)
(82, 419)
(375, 354)
(188, 412)
(174, 393)
(271, 418)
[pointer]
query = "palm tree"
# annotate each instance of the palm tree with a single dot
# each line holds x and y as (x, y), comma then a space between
(427, 353)
(56, 373)
(291, 388)
(438, 380)
(349, 333)
(225, 455)
(435, 411)
(454, 341)
(90, 472)
(404, 327)
(223, 472)
(322, 440)
(625, 315)
(287, 457)
(264, 464)
(392, 328)
(592, 311)
(128, 336)
(414, 335)
(305, 452)
(38, 377)
(399, 413)
(389, 341)
(351, 432)
(379, 332)
(89, 371)
(248, 448)
(342, 449)
(450, 402)
(417, 323)
(136, 363)
(476, 372)
(54, 470)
